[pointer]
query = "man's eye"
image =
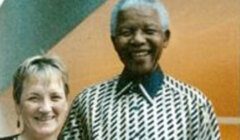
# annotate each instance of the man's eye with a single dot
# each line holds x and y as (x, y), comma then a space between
(125, 32)
(150, 31)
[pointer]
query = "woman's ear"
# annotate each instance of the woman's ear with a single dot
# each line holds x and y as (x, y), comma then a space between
(19, 112)
(18, 109)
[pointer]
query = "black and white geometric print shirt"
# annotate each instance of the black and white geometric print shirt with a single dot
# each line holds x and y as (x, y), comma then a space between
(176, 111)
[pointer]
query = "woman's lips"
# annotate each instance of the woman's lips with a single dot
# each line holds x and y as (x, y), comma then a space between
(44, 119)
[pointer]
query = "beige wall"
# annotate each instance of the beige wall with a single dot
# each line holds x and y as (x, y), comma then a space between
(203, 51)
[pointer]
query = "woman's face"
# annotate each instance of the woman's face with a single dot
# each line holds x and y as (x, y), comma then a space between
(43, 105)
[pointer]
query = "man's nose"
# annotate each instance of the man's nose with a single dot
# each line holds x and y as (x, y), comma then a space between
(138, 38)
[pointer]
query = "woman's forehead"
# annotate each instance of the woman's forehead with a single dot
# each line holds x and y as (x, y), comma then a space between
(43, 77)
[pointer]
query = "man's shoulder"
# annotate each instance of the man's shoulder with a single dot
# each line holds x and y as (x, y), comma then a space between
(185, 89)
(90, 93)
(179, 85)
(101, 86)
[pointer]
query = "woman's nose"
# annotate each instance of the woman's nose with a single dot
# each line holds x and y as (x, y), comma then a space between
(45, 106)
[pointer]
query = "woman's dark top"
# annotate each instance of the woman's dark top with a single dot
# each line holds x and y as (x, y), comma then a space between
(14, 137)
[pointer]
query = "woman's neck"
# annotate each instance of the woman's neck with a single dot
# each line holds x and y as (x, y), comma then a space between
(26, 136)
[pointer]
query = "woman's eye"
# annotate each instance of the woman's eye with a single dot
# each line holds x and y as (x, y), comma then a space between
(56, 98)
(34, 99)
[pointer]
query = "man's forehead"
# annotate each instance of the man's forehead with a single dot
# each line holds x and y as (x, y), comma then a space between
(133, 15)
(140, 9)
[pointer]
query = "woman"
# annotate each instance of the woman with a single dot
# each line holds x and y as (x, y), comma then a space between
(40, 89)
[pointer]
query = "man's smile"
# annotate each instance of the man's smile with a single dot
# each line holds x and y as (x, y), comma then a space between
(139, 54)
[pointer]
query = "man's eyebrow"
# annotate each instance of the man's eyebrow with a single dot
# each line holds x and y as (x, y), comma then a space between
(124, 25)
(152, 24)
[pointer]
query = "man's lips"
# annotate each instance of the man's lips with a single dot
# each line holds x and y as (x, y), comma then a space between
(139, 53)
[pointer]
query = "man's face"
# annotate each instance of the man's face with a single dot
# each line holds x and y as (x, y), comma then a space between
(139, 39)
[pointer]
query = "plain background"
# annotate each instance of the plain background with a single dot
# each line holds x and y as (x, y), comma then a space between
(203, 51)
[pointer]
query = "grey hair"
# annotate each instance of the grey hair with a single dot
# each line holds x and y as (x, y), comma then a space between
(154, 4)
(46, 64)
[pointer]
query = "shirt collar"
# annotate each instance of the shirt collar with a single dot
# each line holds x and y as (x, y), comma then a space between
(149, 84)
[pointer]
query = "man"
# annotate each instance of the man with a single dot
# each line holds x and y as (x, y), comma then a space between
(142, 102)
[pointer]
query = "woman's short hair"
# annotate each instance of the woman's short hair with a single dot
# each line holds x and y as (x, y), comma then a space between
(34, 65)
(154, 4)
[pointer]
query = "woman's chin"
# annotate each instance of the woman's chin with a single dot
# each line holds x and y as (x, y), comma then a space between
(46, 131)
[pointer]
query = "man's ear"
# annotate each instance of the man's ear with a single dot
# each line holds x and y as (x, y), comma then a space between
(113, 38)
(167, 35)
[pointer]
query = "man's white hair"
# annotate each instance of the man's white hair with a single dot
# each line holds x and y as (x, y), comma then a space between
(154, 4)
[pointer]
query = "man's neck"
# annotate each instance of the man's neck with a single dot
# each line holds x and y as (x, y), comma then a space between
(151, 82)
(139, 77)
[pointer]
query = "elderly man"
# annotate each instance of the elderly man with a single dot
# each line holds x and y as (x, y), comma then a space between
(142, 102)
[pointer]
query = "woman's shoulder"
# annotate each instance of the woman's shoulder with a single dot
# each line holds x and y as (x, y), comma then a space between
(13, 137)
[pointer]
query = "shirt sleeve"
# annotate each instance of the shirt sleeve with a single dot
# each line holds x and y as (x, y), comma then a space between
(209, 129)
(73, 127)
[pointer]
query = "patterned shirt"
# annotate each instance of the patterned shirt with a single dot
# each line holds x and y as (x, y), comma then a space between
(123, 109)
